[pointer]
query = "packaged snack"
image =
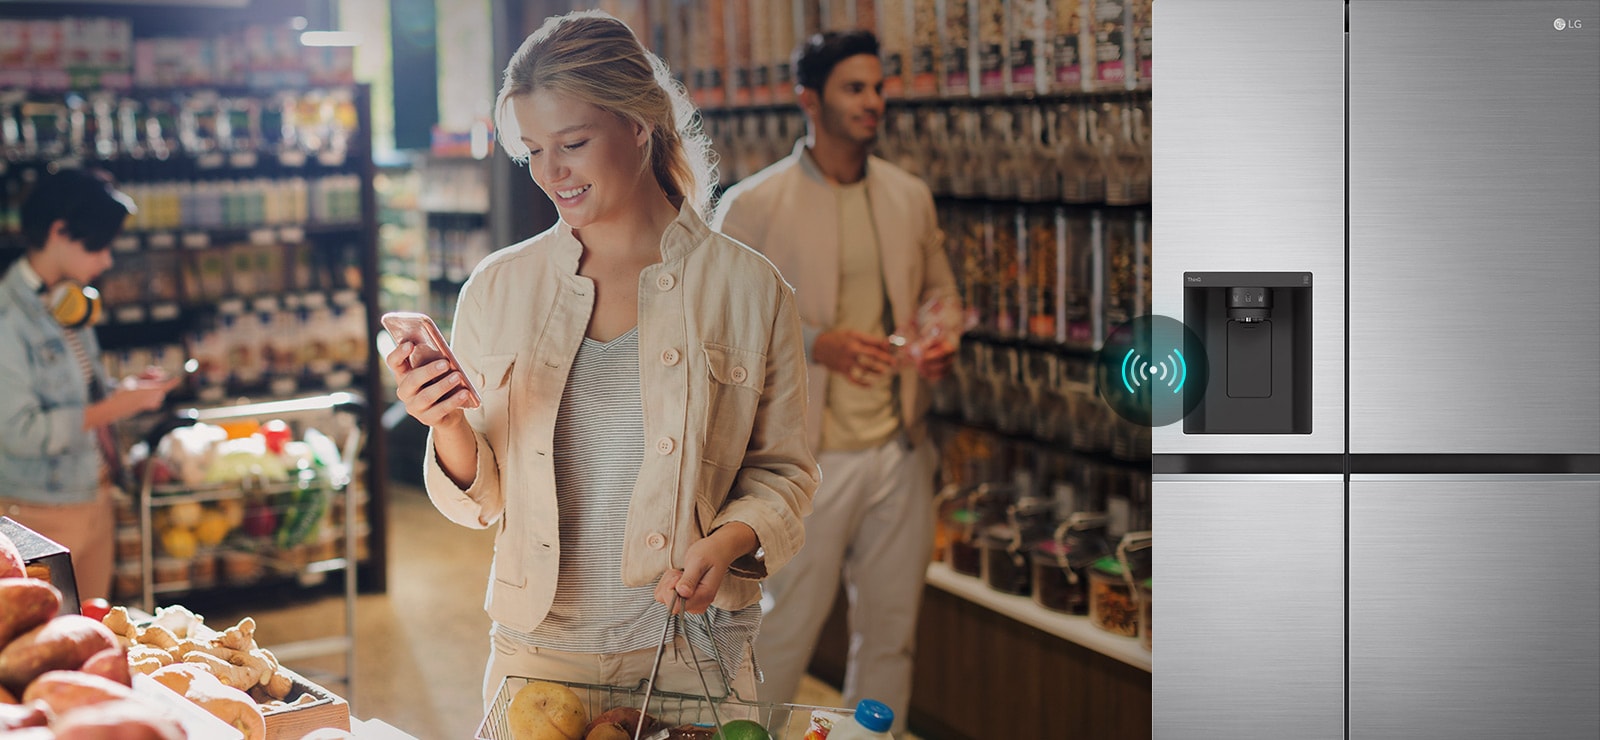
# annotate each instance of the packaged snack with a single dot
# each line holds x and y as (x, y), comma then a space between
(894, 21)
(1112, 44)
(783, 41)
(1141, 32)
(737, 27)
(1066, 57)
(1027, 41)
(923, 77)
(955, 41)
(822, 722)
(992, 57)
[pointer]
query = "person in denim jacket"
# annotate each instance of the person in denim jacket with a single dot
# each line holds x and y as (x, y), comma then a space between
(641, 437)
(54, 456)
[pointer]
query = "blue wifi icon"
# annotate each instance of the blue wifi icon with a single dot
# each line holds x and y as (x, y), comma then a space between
(1170, 371)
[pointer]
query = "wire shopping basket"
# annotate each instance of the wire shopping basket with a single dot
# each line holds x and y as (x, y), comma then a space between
(783, 721)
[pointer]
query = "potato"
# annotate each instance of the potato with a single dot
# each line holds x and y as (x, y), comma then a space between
(63, 643)
(64, 691)
(110, 663)
(17, 716)
(6, 697)
(11, 562)
(124, 719)
(546, 711)
(25, 603)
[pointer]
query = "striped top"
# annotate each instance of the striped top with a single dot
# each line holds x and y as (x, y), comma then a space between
(599, 447)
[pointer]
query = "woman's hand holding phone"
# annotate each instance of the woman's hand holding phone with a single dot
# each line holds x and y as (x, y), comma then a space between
(433, 391)
(432, 384)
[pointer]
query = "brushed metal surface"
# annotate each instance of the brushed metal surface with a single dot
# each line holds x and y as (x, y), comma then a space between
(1471, 478)
(1472, 610)
(1250, 583)
(1474, 220)
(1249, 176)
(1269, 477)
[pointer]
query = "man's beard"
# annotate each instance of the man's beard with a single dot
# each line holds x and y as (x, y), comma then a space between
(839, 126)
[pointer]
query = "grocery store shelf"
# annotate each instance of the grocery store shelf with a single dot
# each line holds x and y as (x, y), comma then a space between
(1071, 628)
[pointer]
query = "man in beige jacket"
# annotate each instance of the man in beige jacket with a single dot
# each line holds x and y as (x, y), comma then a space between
(859, 240)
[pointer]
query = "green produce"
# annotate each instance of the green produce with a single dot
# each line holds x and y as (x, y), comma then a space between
(742, 729)
(308, 504)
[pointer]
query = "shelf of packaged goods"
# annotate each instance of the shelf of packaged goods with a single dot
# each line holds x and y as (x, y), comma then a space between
(1070, 208)
(134, 168)
(1074, 629)
(948, 101)
(198, 237)
(1044, 446)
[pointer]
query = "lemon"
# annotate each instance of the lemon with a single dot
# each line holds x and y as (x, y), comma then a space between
(742, 729)
(179, 542)
(213, 528)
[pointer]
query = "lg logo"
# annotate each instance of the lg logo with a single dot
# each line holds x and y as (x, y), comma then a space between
(1562, 23)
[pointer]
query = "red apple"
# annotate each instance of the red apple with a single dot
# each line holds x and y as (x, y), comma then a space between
(96, 609)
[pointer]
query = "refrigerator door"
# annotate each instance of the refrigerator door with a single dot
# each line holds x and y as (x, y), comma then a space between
(1251, 581)
(1472, 607)
(1474, 158)
(1248, 171)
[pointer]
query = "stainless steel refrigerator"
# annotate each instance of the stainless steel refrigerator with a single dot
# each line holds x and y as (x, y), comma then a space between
(1381, 221)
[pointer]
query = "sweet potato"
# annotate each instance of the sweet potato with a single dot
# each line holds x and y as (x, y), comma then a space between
(18, 716)
(230, 705)
(64, 691)
(110, 663)
(25, 603)
(11, 563)
(123, 719)
(6, 697)
(626, 718)
(32, 733)
(63, 643)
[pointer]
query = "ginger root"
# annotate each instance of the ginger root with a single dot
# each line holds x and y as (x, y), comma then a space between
(238, 677)
(117, 621)
(149, 652)
(279, 684)
(161, 637)
(190, 645)
(241, 637)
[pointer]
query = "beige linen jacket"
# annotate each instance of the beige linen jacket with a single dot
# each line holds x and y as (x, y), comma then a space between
(789, 212)
(722, 375)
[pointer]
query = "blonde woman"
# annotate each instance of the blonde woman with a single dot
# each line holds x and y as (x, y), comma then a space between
(641, 439)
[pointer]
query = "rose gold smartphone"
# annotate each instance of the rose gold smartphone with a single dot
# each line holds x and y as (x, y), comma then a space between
(429, 345)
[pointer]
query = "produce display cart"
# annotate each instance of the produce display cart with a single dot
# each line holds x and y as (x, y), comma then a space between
(294, 510)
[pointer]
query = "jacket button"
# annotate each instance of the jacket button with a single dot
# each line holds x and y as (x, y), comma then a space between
(665, 445)
(739, 374)
(665, 281)
(669, 357)
(656, 541)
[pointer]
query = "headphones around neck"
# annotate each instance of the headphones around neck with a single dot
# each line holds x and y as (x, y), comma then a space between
(73, 305)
